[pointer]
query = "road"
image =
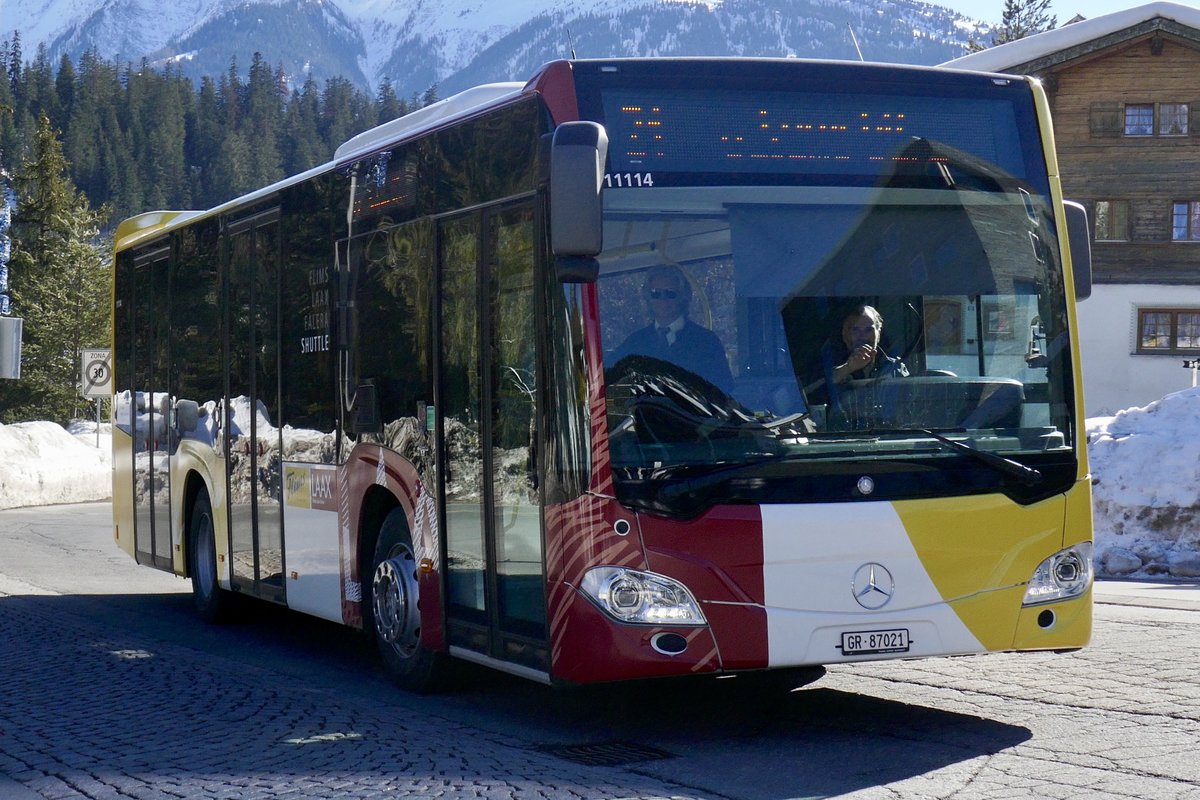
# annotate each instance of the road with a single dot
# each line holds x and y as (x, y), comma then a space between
(112, 689)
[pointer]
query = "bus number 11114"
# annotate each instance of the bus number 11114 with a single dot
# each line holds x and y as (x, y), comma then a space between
(624, 180)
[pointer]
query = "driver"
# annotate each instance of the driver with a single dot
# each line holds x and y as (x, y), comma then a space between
(855, 354)
(860, 355)
(671, 336)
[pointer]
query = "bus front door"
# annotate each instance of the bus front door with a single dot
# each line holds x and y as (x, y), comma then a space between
(488, 369)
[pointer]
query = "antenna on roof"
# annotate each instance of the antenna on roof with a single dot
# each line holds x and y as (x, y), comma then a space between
(854, 39)
(571, 44)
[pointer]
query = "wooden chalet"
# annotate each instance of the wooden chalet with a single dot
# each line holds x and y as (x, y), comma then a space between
(1124, 90)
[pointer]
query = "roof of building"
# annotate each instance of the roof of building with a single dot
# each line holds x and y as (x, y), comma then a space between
(1074, 39)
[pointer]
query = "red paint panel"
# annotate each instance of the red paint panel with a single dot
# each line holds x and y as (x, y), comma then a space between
(719, 557)
(556, 84)
(740, 633)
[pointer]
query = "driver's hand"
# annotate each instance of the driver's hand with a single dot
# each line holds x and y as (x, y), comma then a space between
(862, 355)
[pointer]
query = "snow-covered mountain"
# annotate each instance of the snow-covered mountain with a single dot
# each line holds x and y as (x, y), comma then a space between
(457, 43)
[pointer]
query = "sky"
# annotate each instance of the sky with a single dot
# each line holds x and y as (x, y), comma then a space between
(1145, 464)
(991, 10)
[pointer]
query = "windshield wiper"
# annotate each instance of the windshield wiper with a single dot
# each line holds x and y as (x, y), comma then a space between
(715, 476)
(1027, 475)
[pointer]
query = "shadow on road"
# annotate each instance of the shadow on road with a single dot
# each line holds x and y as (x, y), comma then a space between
(136, 686)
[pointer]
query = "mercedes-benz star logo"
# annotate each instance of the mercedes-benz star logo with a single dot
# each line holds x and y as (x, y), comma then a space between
(873, 586)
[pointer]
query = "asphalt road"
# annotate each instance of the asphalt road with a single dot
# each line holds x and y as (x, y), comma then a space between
(113, 689)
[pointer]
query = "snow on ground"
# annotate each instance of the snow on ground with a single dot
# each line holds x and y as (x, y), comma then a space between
(42, 463)
(1145, 465)
(1146, 488)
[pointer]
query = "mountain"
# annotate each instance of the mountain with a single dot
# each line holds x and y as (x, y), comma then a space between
(458, 43)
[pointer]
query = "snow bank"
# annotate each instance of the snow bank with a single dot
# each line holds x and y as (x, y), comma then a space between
(41, 463)
(1146, 488)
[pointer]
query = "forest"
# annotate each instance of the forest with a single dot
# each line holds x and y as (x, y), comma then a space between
(138, 137)
(86, 144)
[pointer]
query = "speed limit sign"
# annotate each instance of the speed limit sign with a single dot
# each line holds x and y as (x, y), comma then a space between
(96, 369)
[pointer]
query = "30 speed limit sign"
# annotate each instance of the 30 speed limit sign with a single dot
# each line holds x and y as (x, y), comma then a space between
(96, 369)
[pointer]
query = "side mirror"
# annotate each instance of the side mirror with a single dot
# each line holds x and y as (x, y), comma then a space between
(578, 153)
(1079, 238)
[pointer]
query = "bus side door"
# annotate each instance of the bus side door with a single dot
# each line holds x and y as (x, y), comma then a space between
(253, 443)
(150, 406)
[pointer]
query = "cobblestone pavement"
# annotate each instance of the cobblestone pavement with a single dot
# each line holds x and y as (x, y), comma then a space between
(110, 689)
(1120, 719)
(87, 713)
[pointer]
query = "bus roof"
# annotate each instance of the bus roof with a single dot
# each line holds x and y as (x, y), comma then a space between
(451, 108)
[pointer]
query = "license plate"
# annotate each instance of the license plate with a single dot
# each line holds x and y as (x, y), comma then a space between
(861, 643)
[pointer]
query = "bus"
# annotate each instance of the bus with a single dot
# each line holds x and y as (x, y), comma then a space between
(413, 390)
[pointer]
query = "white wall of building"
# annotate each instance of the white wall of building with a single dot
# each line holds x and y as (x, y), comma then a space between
(1114, 375)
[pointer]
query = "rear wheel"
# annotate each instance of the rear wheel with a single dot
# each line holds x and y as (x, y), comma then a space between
(395, 609)
(212, 602)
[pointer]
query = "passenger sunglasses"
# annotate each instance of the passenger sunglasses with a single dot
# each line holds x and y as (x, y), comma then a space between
(659, 294)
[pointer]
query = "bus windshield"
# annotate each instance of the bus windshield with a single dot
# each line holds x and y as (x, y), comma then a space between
(890, 305)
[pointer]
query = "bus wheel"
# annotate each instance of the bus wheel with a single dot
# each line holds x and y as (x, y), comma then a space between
(212, 602)
(395, 609)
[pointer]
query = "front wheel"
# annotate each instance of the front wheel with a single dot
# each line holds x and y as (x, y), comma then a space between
(212, 603)
(395, 610)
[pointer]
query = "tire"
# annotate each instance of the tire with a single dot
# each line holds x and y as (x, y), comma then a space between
(212, 603)
(393, 610)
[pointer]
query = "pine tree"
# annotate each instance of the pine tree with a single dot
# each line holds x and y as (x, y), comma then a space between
(94, 143)
(59, 281)
(156, 120)
(15, 63)
(1023, 18)
(9, 134)
(42, 90)
(302, 145)
(390, 107)
(338, 122)
(262, 124)
(204, 137)
(64, 84)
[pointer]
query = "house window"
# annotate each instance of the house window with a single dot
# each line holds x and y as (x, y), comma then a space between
(1168, 330)
(1185, 221)
(1139, 119)
(1172, 119)
(1112, 220)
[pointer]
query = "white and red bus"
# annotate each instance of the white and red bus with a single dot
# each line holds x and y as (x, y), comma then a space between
(417, 389)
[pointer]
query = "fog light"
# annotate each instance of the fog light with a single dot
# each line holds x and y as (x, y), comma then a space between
(630, 595)
(1066, 574)
(669, 644)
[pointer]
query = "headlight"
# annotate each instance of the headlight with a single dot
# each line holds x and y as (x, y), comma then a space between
(629, 595)
(1066, 574)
